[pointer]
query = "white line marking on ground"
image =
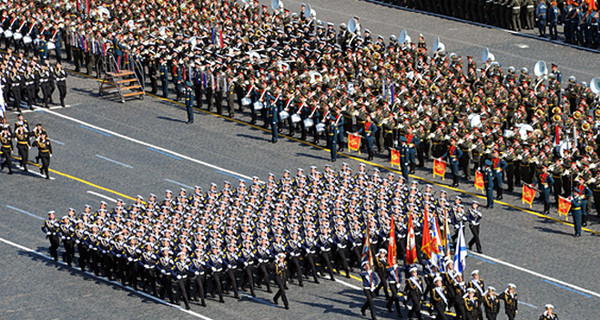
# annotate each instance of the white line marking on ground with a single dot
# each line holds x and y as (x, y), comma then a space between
(24, 212)
(114, 161)
(263, 301)
(146, 144)
(348, 284)
(58, 142)
(39, 174)
(572, 286)
(102, 196)
(145, 295)
(528, 304)
(179, 184)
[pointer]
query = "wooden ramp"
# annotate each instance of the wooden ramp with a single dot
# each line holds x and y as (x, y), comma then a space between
(124, 83)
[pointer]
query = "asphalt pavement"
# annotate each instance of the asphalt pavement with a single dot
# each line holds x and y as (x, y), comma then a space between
(104, 150)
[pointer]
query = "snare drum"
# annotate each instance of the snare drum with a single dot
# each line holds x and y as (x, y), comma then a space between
(283, 115)
(308, 122)
(296, 118)
(27, 40)
(17, 36)
(8, 34)
(246, 101)
(320, 127)
(258, 106)
(51, 45)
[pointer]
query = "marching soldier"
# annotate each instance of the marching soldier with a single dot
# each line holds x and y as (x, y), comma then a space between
(394, 278)
(369, 282)
(491, 304)
(61, 82)
(413, 292)
(510, 298)
(45, 153)
(439, 296)
(549, 313)
(6, 149)
(180, 271)
(280, 279)
(215, 262)
(474, 216)
(23, 146)
(188, 95)
(471, 305)
(52, 229)
(452, 157)
(197, 276)
(66, 232)
(164, 265)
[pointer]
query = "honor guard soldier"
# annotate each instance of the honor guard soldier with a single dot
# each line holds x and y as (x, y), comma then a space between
(439, 298)
(61, 82)
(380, 261)
(452, 156)
(488, 182)
(545, 182)
(197, 275)
(188, 95)
(549, 313)
(180, 271)
(22, 136)
(67, 231)
(332, 137)
(231, 262)
(370, 282)
(80, 238)
(368, 131)
(412, 141)
(272, 115)
(413, 292)
(280, 279)
(163, 72)
(404, 157)
(474, 216)
(52, 228)
(165, 266)
(6, 149)
(394, 278)
(510, 298)
(491, 304)
(45, 152)
(576, 211)
(215, 262)
(471, 305)
(498, 167)
(148, 263)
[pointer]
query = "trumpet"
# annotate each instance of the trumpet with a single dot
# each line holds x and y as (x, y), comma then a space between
(556, 110)
(539, 112)
(577, 115)
(476, 100)
(586, 127)
(556, 118)
(589, 149)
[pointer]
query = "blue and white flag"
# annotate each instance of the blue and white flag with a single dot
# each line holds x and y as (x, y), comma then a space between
(2, 103)
(460, 254)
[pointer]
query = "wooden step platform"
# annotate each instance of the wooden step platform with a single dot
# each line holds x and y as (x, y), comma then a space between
(123, 83)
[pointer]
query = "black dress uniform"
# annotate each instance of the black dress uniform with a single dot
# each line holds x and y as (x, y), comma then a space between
(439, 296)
(51, 227)
(180, 271)
(6, 147)
(164, 266)
(510, 302)
(45, 150)
(414, 291)
(148, 263)
(67, 234)
(198, 276)
(491, 304)
(61, 82)
(81, 235)
(280, 279)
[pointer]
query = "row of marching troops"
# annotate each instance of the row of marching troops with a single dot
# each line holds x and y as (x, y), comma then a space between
(306, 76)
(579, 18)
(23, 79)
(24, 138)
(233, 238)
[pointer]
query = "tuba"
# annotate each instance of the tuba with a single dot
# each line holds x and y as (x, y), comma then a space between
(539, 112)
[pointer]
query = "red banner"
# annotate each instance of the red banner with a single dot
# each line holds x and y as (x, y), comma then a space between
(395, 161)
(439, 168)
(564, 205)
(528, 194)
(426, 241)
(411, 243)
(479, 185)
(391, 260)
(353, 142)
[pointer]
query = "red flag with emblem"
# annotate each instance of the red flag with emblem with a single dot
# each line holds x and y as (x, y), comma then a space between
(411, 243)
(426, 241)
(528, 194)
(395, 161)
(391, 259)
(564, 205)
(353, 142)
(439, 168)
(479, 185)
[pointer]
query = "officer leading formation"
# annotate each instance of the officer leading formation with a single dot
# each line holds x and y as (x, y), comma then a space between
(319, 225)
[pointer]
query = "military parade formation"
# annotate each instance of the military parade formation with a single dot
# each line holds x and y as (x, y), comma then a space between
(293, 72)
(579, 19)
(308, 225)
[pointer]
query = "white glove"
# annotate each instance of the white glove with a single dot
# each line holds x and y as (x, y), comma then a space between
(178, 277)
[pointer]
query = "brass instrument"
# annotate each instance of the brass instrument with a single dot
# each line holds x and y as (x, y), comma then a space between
(489, 101)
(597, 112)
(422, 82)
(586, 127)
(368, 82)
(589, 149)
(376, 55)
(556, 110)
(577, 115)
(539, 112)
(434, 88)
(476, 100)
(459, 91)
(556, 118)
